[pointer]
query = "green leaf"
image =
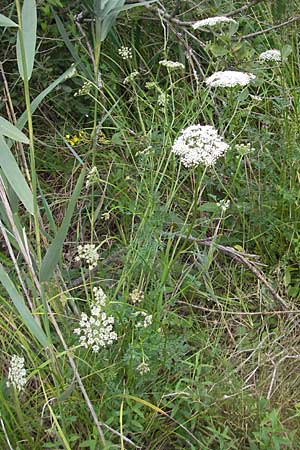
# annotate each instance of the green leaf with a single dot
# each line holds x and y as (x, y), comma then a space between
(218, 50)
(6, 22)
(37, 101)
(70, 46)
(14, 176)
(24, 312)
(55, 249)
(9, 130)
(29, 25)
(286, 51)
(133, 5)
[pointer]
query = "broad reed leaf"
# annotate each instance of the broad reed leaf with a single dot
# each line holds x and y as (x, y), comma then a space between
(55, 249)
(14, 176)
(20, 305)
(133, 5)
(9, 130)
(6, 22)
(29, 25)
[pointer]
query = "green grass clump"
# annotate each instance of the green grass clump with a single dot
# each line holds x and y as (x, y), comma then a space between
(198, 266)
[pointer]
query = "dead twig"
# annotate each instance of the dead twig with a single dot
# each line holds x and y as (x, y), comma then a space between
(242, 8)
(274, 27)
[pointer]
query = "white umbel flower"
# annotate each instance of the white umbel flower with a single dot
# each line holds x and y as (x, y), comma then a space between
(17, 373)
(271, 55)
(212, 22)
(143, 368)
(92, 177)
(147, 319)
(89, 254)
(136, 296)
(96, 330)
(223, 204)
(229, 78)
(199, 144)
(173, 65)
(125, 52)
(100, 296)
(162, 99)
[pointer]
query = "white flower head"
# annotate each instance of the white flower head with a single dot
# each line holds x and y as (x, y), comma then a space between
(199, 144)
(92, 177)
(257, 98)
(172, 65)
(270, 55)
(162, 99)
(229, 78)
(96, 330)
(136, 296)
(17, 373)
(85, 89)
(244, 149)
(125, 52)
(223, 204)
(143, 368)
(100, 296)
(89, 254)
(212, 22)
(147, 319)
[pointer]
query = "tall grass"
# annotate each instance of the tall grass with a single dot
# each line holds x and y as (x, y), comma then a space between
(204, 297)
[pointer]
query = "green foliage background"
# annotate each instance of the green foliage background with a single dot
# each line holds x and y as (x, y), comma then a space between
(223, 357)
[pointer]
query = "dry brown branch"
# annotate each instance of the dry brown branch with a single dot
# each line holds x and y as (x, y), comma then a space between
(274, 27)
(242, 8)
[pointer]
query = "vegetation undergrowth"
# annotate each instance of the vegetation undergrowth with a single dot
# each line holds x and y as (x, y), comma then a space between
(149, 205)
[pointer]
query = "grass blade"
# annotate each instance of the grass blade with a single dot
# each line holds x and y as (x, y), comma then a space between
(29, 25)
(9, 130)
(6, 22)
(54, 251)
(70, 46)
(38, 100)
(14, 176)
(24, 312)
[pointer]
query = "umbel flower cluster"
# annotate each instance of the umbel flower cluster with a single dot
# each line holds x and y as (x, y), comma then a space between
(270, 55)
(172, 65)
(199, 144)
(212, 22)
(136, 296)
(92, 177)
(96, 330)
(229, 78)
(89, 254)
(125, 52)
(17, 373)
